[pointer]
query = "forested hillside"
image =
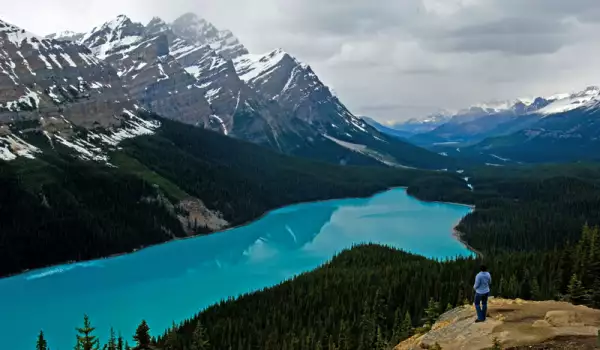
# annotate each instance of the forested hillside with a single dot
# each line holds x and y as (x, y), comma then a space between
(57, 208)
(370, 297)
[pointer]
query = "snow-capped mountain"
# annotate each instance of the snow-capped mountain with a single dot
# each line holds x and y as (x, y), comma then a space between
(561, 127)
(55, 89)
(192, 72)
(66, 35)
(496, 118)
(282, 78)
(588, 98)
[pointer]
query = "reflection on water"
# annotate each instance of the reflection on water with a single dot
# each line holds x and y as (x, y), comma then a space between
(175, 280)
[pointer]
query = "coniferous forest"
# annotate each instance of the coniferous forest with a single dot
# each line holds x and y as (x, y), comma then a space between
(56, 208)
(535, 228)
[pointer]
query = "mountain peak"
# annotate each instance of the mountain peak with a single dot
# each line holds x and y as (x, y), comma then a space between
(118, 32)
(156, 25)
(199, 32)
(117, 22)
(156, 21)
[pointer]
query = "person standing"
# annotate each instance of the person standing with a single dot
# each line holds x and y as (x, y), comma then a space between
(483, 280)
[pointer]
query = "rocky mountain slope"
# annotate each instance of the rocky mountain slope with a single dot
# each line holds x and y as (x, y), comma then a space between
(192, 72)
(61, 92)
(513, 324)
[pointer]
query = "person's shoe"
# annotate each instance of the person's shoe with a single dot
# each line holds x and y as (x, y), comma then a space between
(478, 321)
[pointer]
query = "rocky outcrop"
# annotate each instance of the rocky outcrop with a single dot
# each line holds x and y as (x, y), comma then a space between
(512, 323)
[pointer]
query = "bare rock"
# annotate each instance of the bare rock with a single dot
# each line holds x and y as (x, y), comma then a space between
(513, 323)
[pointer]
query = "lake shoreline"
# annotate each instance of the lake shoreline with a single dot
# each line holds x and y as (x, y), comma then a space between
(116, 255)
(458, 235)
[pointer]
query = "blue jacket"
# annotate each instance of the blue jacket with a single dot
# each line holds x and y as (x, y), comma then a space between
(482, 282)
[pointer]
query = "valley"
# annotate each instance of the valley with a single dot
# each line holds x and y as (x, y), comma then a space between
(189, 275)
(165, 172)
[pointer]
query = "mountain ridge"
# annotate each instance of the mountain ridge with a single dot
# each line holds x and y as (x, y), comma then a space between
(213, 82)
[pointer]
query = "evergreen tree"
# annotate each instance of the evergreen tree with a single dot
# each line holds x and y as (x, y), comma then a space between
(407, 326)
(432, 312)
(112, 341)
(449, 307)
(344, 337)
(535, 290)
(85, 339)
(142, 336)
(380, 342)
(512, 289)
(120, 342)
(41, 342)
(172, 339)
(367, 328)
(199, 338)
(575, 290)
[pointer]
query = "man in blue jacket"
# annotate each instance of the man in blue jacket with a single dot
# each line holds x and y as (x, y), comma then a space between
(483, 280)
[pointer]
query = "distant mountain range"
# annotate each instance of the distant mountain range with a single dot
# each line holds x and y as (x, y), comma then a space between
(563, 127)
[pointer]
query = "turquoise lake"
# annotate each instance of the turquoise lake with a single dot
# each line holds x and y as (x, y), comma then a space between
(173, 281)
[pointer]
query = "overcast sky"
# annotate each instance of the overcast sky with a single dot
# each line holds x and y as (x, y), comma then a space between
(389, 59)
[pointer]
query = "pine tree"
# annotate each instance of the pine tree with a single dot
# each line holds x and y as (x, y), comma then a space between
(407, 326)
(41, 342)
(367, 328)
(112, 341)
(512, 290)
(344, 337)
(120, 342)
(432, 312)
(397, 328)
(142, 336)
(380, 343)
(199, 338)
(85, 339)
(535, 290)
(172, 338)
(576, 291)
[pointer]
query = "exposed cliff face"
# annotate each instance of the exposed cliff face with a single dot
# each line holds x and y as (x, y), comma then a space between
(514, 323)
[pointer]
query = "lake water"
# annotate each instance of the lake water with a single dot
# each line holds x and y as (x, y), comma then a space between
(173, 281)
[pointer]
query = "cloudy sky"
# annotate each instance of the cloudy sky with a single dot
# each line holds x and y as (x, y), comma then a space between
(389, 59)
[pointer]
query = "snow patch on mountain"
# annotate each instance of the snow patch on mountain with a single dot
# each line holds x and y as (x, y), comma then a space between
(12, 146)
(586, 98)
(251, 67)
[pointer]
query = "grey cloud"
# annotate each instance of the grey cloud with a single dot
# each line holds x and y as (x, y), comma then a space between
(390, 59)
(519, 36)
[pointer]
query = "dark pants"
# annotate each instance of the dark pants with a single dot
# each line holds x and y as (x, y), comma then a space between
(481, 305)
